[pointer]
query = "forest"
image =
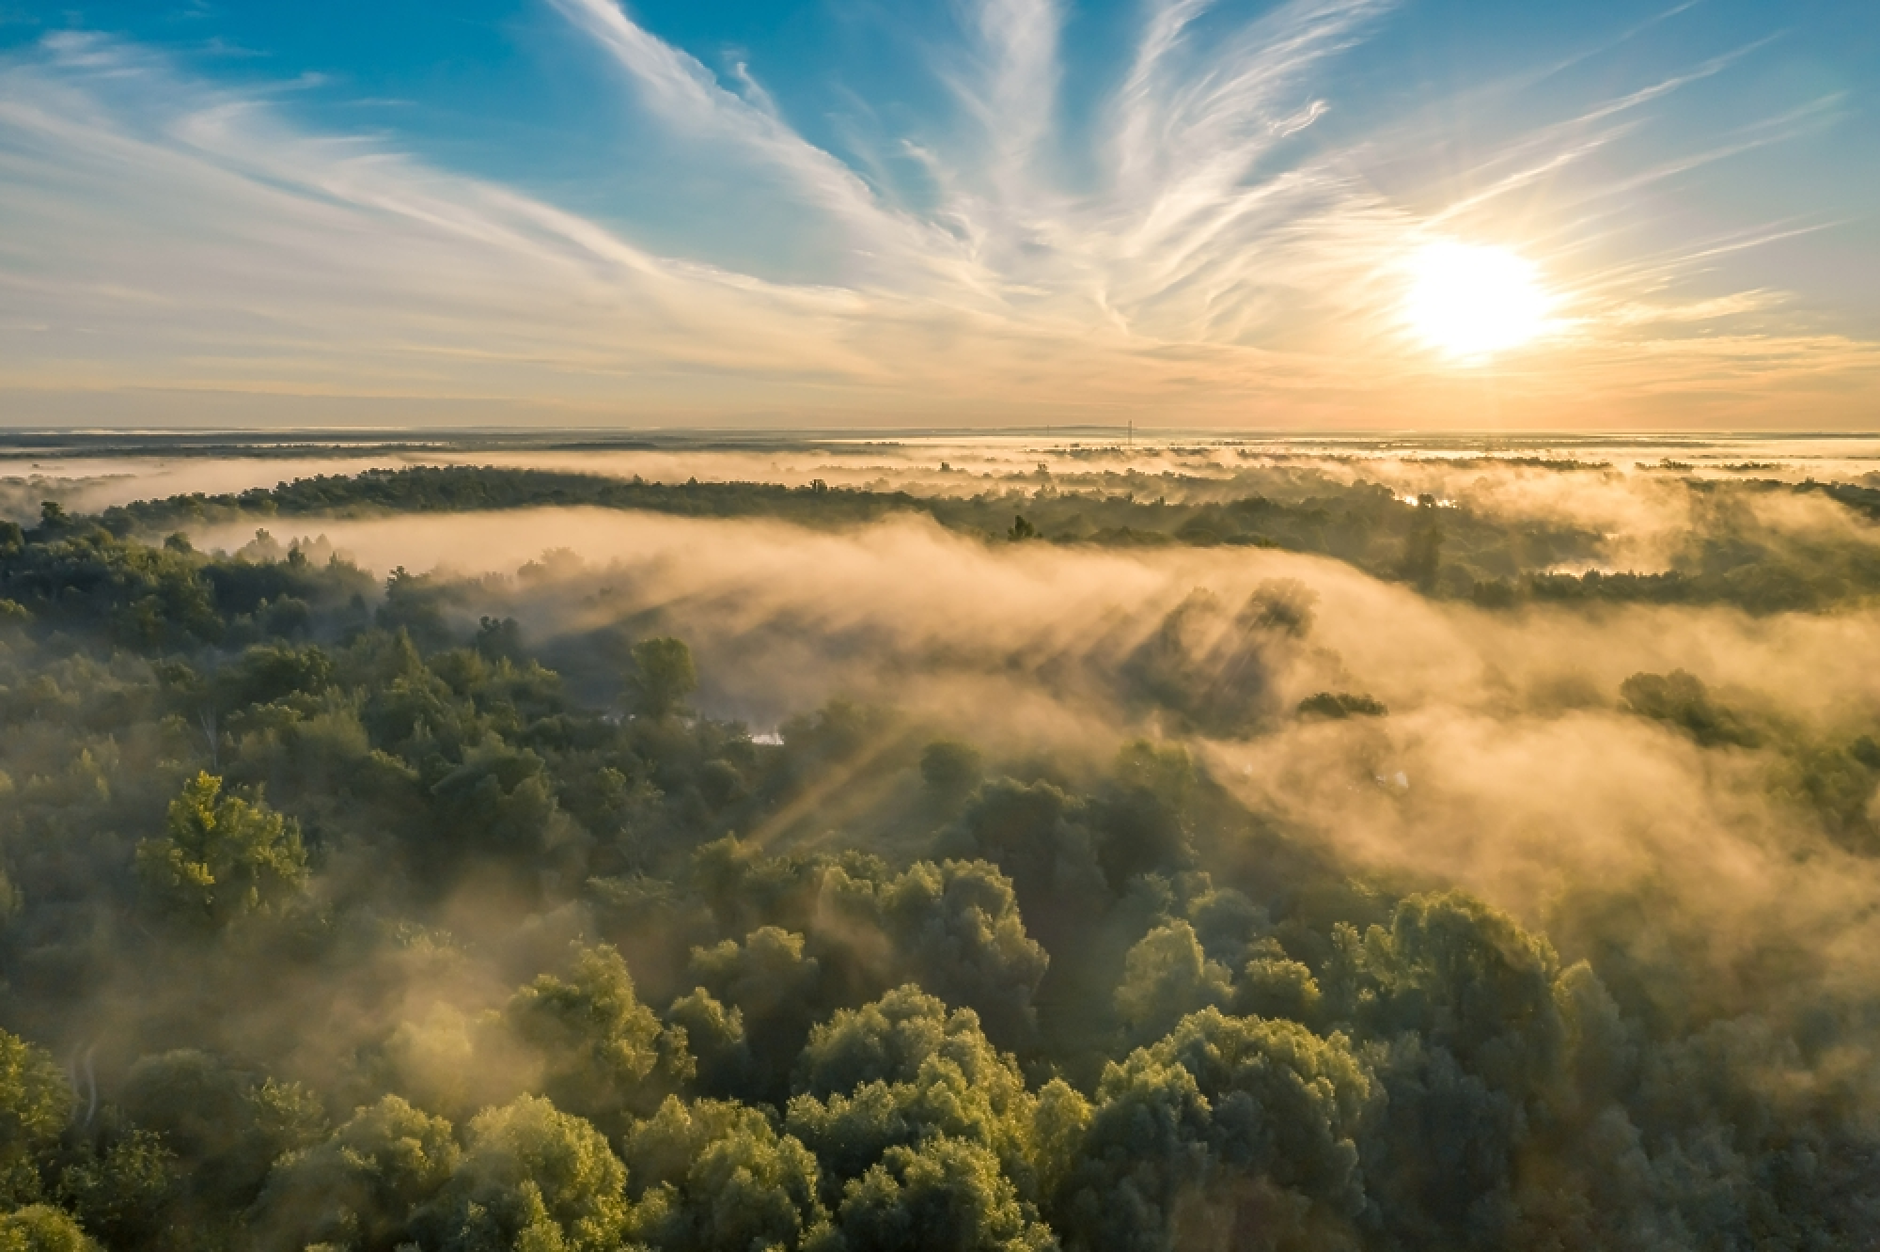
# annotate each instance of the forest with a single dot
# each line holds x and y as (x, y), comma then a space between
(1272, 855)
(1445, 548)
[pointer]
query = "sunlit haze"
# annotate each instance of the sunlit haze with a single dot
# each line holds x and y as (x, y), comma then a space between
(939, 626)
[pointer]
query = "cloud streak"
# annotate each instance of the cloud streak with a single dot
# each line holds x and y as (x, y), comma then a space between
(172, 240)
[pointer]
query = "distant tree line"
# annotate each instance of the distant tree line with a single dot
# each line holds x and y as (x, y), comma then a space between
(1446, 551)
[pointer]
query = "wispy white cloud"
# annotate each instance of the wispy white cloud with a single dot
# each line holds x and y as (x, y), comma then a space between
(1016, 43)
(161, 234)
(688, 96)
(251, 249)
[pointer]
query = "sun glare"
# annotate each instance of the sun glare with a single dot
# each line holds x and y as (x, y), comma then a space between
(1470, 302)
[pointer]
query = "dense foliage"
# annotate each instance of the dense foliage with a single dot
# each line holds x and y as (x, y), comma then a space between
(331, 916)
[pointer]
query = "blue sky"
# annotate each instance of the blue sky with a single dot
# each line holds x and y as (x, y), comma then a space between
(983, 212)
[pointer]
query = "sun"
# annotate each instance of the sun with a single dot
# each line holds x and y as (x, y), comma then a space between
(1471, 301)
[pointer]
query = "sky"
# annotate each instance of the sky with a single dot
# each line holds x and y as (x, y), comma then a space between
(869, 214)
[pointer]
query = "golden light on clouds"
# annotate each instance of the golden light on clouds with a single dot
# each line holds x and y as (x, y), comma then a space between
(1472, 301)
(183, 249)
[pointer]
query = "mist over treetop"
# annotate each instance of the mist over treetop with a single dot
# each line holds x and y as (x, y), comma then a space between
(995, 626)
(491, 856)
(1515, 529)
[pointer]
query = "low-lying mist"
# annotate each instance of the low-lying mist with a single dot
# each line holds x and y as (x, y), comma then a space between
(782, 870)
(1508, 762)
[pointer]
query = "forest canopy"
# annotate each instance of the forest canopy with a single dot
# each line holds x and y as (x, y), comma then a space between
(363, 909)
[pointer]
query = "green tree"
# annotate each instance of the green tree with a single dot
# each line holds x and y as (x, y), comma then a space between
(1058, 1126)
(905, 1070)
(954, 929)
(532, 1178)
(1423, 544)
(1039, 838)
(1474, 1051)
(599, 1044)
(1465, 976)
(222, 858)
(774, 988)
(946, 1195)
(950, 769)
(1142, 821)
(360, 1188)
(500, 799)
(42, 1228)
(122, 1193)
(1338, 705)
(716, 1175)
(1167, 976)
(500, 639)
(225, 1127)
(35, 1105)
(1274, 985)
(720, 1047)
(1224, 1108)
(1681, 699)
(663, 676)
